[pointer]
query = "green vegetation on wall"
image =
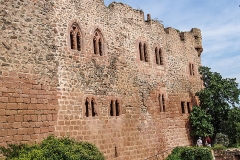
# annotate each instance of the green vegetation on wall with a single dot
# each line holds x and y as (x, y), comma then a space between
(190, 153)
(53, 148)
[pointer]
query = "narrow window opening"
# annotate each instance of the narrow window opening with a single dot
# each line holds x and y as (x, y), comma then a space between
(145, 52)
(195, 37)
(111, 108)
(86, 107)
(183, 107)
(116, 153)
(72, 40)
(100, 47)
(95, 45)
(160, 102)
(192, 69)
(117, 108)
(140, 51)
(163, 103)
(93, 108)
(188, 107)
(157, 56)
(78, 42)
(161, 57)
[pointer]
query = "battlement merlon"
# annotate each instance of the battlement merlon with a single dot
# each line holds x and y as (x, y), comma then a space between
(198, 40)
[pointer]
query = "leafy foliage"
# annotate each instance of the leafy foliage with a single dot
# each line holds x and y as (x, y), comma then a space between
(200, 122)
(190, 153)
(233, 126)
(219, 147)
(176, 154)
(222, 139)
(218, 97)
(12, 151)
(53, 148)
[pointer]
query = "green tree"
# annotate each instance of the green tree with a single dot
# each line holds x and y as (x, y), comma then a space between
(200, 122)
(218, 97)
(233, 126)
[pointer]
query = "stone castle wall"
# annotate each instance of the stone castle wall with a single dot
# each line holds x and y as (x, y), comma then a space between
(45, 85)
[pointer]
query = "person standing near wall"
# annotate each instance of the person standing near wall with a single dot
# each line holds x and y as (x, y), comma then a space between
(199, 142)
(208, 142)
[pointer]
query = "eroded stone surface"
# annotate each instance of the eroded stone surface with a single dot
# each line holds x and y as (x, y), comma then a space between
(44, 83)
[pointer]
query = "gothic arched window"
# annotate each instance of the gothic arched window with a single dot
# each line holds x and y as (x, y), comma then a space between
(98, 43)
(75, 37)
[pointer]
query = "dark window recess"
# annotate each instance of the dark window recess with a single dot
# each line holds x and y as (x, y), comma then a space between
(191, 69)
(93, 108)
(116, 153)
(111, 108)
(100, 47)
(163, 103)
(188, 107)
(75, 37)
(86, 107)
(140, 51)
(98, 43)
(117, 108)
(94, 45)
(145, 52)
(156, 55)
(161, 100)
(72, 40)
(161, 57)
(79, 42)
(183, 107)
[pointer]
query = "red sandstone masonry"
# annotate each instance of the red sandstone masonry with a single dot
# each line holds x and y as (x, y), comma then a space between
(44, 83)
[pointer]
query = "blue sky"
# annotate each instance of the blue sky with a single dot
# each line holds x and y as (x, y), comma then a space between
(219, 21)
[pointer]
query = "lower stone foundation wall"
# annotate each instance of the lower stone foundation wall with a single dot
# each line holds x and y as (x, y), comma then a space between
(28, 110)
(31, 111)
(229, 154)
(129, 138)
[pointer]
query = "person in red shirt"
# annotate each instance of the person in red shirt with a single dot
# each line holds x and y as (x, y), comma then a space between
(208, 142)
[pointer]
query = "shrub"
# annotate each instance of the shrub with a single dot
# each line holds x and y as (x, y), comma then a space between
(190, 153)
(222, 139)
(53, 148)
(218, 147)
(176, 153)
